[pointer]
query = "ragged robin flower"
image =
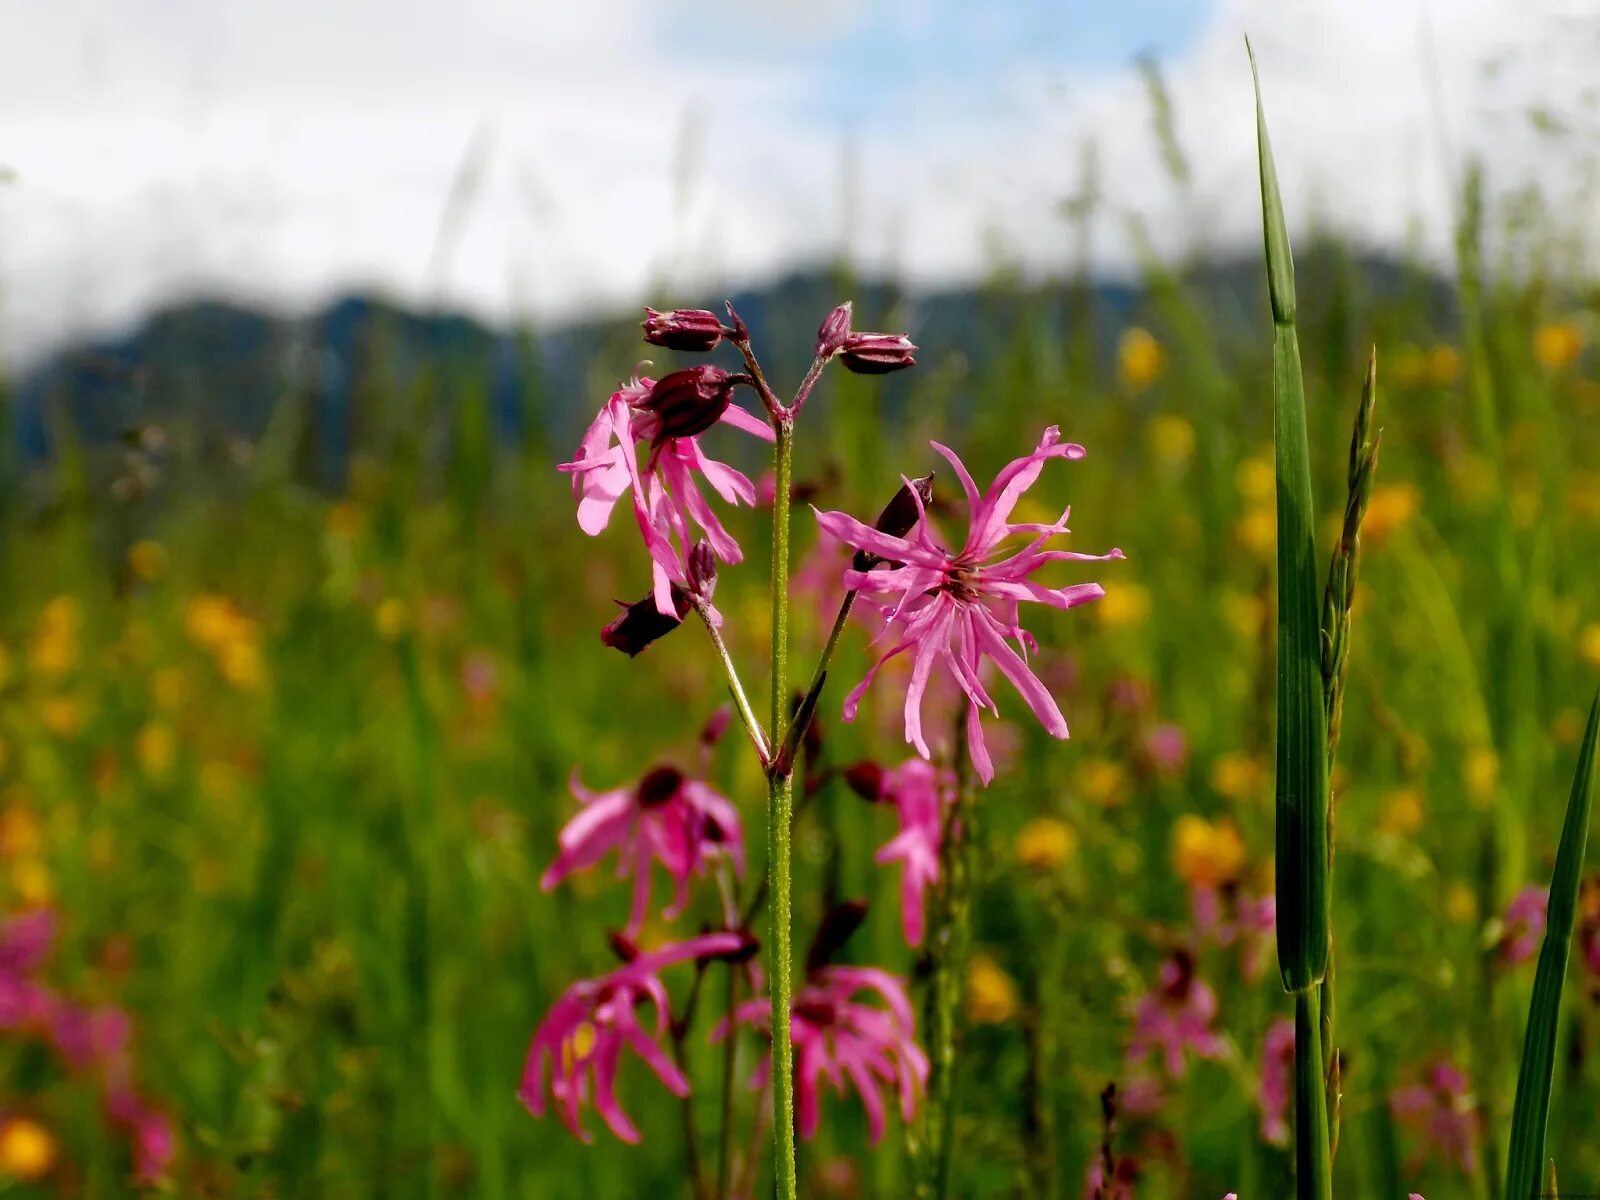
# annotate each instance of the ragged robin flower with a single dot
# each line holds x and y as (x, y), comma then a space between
(958, 608)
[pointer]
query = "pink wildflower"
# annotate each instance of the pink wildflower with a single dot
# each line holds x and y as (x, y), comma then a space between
(1525, 920)
(666, 817)
(959, 607)
(1277, 1073)
(837, 1037)
(1229, 917)
(1443, 1112)
(667, 502)
(583, 1036)
(1166, 748)
(1175, 1017)
(920, 793)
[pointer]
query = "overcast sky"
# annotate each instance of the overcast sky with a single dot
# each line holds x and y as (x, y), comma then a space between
(287, 150)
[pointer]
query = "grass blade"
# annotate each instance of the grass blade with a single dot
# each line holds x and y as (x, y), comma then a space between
(1302, 767)
(1532, 1109)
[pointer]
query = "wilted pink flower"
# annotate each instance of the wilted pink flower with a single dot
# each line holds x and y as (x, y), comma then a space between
(666, 817)
(1277, 1074)
(920, 793)
(958, 608)
(1441, 1110)
(837, 1038)
(583, 1036)
(1175, 1017)
(1525, 920)
(667, 502)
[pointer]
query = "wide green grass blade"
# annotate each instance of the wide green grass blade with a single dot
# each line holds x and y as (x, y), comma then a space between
(1532, 1109)
(1302, 768)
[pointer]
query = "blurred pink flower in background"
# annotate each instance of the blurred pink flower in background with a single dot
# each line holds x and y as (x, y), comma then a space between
(1166, 748)
(959, 608)
(837, 1039)
(583, 1036)
(1175, 1018)
(920, 794)
(1443, 1113)
(1525, 920)
(666, 817)
(1230, 917)
(1277, 1077)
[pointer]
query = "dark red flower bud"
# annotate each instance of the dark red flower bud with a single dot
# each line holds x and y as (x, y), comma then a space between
(835, 328)
(748, 946)
(623, 947)
(641, 623)
(691, 329)
(686, 402)
(877, 353)
(837, 928)
(899, 517)
(702, 570)
(717, 725)
(865, 780)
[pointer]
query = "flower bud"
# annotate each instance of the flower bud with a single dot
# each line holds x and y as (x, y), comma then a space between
(748, 946)
(835, 328)
(685, 403)
(838, 925)
(877, 353)
(865, 780)
(641, 623)
(702, 571)
(691, 329)
(899, 517)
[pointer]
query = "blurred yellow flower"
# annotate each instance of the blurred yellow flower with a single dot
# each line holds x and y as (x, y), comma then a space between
(241, 664)
(147, 560)
(102, 848)
(345, 520)
(991, 994)
(5, 666)
(1257, 531)
(1473, 478)
(32, 884)
(210, 619)
(157, 750)
(391, 618)
(1244, 613)
(1589, 645)
(1482, 774)
(54, 651)
(1257, 478)
(1409, 366)
(1140, 359)
(1567, 727)
(27, 1150)
(1124, 606)
(1046, 844)
(19, 832)
(1444, 365)
(1206, 854)
(1402, 811)
(221, 782)
(1236, 776)
(1558, 344)
(63, 716)
(1460, 905)
(1103, 781)
(169, 688)
(1391, 507)
(1171, 439)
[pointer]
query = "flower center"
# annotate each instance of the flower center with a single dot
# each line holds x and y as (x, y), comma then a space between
(658, 786)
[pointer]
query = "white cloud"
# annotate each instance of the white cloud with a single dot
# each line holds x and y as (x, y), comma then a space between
(285, 151)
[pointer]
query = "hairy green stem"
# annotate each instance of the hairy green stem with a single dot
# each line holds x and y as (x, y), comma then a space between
(780, 806)
(741, 702)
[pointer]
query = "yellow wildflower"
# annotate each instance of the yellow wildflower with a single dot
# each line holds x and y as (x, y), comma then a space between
(1257, 531)
(54, 651)
(1103, 781)
(1046, 844)
(1444, 365)
(1402, 811)
(19, 832)
(1244, 612)
(240, 663)
(1257, 478)
(1391, 507)
(169, 688)
(32, 883)
(1171, 439)
(1236, 776)
(1140, 359)
(1206, 854)
(391, 618)
(1589, 645)
(27, 1150)
(1124, 606)
(1460, 905)
(63, 716)
(991, 995)
(147, 560)
(157, 750)
(1482, 772)
(1558, 344)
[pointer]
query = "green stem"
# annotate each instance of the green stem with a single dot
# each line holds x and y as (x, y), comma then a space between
(1313, 1164)
(780, 806)
(808, 707)
(730, 1056)
(741, 702)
